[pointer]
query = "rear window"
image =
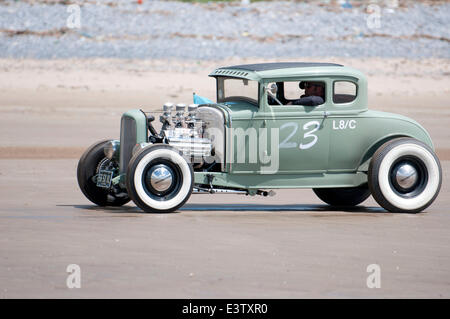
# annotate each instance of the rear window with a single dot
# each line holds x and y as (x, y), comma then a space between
(292, 91)
(344, 92)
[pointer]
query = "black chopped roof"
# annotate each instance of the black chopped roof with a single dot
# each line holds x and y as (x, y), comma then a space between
(278, 65)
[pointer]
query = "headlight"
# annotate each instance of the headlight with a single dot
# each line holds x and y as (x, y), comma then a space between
(112, 150)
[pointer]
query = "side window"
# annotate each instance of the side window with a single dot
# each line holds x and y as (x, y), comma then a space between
(344, 92)
(306, 93)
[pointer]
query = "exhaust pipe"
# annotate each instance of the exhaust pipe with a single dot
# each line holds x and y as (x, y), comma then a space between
(270, 193)
(201, 190)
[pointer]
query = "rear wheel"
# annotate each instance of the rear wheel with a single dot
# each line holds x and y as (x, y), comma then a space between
(405, 176)
(159, 179)
(349, 196)
(89, 165)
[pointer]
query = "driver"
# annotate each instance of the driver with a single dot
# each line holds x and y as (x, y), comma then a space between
(314, 94)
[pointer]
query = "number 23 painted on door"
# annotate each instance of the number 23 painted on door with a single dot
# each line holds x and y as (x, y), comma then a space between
(304, 146)
(309, 137)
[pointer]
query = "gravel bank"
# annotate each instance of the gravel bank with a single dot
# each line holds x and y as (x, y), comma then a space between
(164, 29)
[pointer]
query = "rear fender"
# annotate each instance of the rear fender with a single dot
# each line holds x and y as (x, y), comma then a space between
(365, 160)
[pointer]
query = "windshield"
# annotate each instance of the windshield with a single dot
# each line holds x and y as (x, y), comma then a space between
(232, 89)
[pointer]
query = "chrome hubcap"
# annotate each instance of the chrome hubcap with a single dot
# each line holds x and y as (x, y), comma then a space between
(406, 176)
(161, 178)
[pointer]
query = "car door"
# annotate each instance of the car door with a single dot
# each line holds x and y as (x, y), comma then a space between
(304, 136)
(303, 140)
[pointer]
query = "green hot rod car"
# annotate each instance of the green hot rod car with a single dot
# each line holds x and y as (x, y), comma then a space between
(275, 125)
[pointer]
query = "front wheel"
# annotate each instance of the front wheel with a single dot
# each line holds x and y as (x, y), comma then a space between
(89, 166)
(159, 179)
(404, 176)
(348, 196)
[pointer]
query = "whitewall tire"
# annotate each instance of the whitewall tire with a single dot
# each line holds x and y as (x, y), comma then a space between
(404, 175)
(159, 179)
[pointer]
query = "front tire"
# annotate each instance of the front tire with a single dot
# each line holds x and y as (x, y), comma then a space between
(349, 196)
(405, 176)
(159, 179)
(88, 167)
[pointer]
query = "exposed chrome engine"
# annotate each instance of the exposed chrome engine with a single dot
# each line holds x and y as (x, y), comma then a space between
(186, 131)
(198, 132)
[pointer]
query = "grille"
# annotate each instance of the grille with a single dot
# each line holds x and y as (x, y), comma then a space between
(127, 141)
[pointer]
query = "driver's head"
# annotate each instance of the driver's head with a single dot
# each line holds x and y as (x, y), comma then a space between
(315, 89)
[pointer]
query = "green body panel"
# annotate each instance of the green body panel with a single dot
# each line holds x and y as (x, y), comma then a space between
(338, 159)
(329, 145)
(349, 149)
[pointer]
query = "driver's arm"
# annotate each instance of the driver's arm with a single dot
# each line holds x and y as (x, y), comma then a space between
(309, 101)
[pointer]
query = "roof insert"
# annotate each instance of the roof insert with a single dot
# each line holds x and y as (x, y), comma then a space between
(278, 65)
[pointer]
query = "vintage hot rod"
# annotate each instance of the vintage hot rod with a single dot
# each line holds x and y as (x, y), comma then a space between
(263, 134)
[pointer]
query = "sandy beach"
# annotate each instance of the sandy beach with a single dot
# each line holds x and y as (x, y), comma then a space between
(225, 246)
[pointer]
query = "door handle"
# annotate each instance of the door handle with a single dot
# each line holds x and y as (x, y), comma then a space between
(325, 115)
